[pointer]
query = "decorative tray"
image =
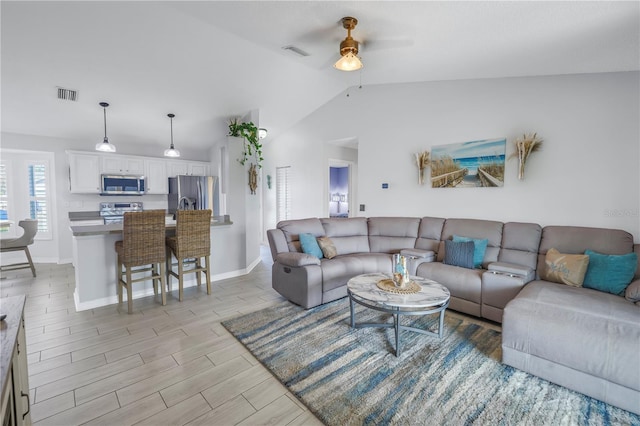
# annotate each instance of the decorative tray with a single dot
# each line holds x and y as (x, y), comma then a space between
(388, 286)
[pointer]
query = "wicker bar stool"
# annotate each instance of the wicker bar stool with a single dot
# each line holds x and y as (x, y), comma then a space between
(190, 244)
(143, 244)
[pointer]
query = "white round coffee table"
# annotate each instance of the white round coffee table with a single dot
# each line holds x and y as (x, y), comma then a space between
(432, 298)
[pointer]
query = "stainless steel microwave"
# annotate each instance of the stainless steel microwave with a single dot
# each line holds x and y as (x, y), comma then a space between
(123, 185)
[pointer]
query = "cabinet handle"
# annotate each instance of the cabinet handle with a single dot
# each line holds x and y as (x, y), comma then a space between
(28, 404)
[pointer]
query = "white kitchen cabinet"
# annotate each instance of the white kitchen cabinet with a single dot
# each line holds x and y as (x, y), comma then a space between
(156, 173)
(194, 168)
(199, 169)
(84, 173)
(16, 407)
(122, 165)
(178, 168)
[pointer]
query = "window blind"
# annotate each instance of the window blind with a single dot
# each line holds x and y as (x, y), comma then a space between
(283, 193)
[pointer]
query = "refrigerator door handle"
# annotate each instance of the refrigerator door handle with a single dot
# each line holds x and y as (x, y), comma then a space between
(199, 195)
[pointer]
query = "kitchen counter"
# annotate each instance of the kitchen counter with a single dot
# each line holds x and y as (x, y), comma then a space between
(94, 260)
(12, 307)
(116, 228)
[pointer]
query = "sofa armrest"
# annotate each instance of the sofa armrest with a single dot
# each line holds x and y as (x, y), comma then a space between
(418, 253)
(296, 259)
(417, 257)
(277, 242)
(512, 270)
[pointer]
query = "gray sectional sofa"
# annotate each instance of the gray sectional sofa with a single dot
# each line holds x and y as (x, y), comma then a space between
(583, 339)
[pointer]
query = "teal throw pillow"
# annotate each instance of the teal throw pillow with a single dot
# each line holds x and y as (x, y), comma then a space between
(479, 247)
(458, 254)
(609, 272)
(310, 245)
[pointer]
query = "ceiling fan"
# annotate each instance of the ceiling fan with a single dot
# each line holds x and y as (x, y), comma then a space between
(349, 60)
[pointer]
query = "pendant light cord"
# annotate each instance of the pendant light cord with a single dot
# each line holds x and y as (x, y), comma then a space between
(171, 132)
(104, 109)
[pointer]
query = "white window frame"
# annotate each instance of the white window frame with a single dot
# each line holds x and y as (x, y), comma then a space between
(283, 193)
(47, 233)
(17, 164)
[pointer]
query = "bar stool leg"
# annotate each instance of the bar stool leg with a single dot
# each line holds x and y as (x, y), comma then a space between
(163, 274)
(168, 268)
(129, 291)
(207, 262)
(154, 280)
(33, 268)
(119, 280)
(198, 274)
(180, 279)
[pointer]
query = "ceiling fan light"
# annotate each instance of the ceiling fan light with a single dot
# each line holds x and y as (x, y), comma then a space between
(348, 62)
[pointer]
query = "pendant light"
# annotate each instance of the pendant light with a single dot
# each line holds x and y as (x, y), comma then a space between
(171, 152)
(105, 146)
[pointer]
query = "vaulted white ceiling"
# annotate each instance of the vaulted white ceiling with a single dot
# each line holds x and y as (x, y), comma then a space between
(206, 61)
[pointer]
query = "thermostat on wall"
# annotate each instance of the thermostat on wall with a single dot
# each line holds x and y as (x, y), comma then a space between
(385, 186)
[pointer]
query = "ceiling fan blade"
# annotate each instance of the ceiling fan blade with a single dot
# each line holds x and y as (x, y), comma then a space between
(373, 45)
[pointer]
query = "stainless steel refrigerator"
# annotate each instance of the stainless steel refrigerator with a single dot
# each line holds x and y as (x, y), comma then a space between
(194, 193)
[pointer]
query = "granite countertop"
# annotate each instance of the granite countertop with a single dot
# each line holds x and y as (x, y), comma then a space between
(13, 308)
(116, 228)
(84, 215)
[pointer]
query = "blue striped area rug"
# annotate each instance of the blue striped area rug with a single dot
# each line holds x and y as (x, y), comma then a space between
(351, 376)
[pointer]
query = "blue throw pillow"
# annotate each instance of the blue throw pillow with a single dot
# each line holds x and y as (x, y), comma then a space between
(609, 272)
(479, 247)
(458, 253)
(310, 245)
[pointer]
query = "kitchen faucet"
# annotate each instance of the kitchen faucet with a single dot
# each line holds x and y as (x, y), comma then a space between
(186, 203)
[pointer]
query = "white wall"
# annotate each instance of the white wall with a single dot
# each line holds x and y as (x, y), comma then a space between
(587, 173)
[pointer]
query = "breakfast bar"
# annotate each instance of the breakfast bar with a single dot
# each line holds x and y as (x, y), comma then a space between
(94, 260)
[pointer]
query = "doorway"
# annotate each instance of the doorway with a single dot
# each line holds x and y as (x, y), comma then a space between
(340, 193)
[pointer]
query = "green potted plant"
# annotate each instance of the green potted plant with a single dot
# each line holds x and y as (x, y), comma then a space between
(249, 133)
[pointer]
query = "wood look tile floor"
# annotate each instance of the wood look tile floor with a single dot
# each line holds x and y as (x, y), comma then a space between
(162, 365)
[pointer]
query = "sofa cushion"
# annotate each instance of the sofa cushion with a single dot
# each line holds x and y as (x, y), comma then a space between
(459, 253)
(337, 271)
(429, 233)
(562, 324)
(310, 245)
(463, 283)
(565, 268)
(609, 272)
(327, 247)
(293, 228)
(577, 239)
(474, 228)
(520, 242)
(479, 248)
(392, 234)
(349, 235)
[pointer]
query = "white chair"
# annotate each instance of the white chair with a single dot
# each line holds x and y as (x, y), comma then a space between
(30, 227)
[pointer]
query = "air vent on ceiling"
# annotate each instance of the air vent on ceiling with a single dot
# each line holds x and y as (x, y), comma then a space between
(295, 50)
(67, 94)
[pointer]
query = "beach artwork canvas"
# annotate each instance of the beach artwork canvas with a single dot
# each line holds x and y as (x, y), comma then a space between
(469, 164)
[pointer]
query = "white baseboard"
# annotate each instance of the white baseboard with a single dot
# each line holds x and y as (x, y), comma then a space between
(111, 300)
